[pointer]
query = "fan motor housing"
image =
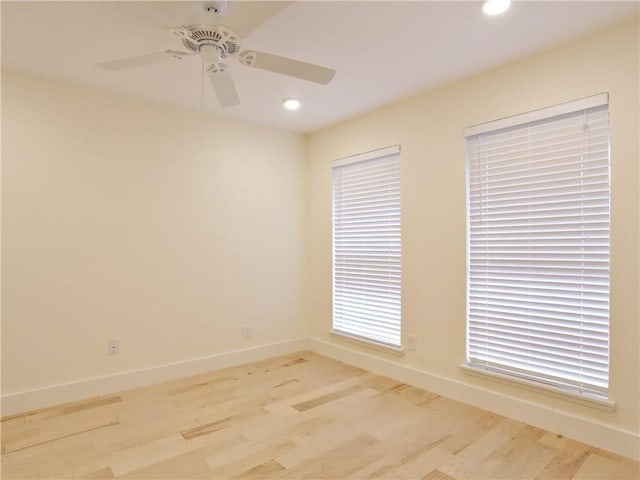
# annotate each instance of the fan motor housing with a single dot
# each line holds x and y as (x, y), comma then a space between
(227, 42)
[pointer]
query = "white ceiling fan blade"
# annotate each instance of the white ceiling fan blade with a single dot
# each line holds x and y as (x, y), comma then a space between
(223, 85)
(243, 17)
(140, 60)
(288, 66)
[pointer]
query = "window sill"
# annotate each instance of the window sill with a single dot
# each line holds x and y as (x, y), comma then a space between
(398, 351)
(606, 405)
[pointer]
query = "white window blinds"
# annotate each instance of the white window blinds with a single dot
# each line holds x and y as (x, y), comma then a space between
(538, 247)
(366, 246)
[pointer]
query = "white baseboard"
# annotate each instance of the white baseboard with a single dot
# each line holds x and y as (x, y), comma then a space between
(607, 437)
(585, 430)
(92, 387)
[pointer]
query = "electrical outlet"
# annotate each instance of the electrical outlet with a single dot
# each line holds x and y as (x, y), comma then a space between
(411, 340)
(246, 331)
(113, 347)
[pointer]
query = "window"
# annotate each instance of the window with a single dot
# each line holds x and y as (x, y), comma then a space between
(366, 246)
(538, 247)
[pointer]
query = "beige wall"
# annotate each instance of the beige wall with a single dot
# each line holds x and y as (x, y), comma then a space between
(164, 228)
(429, 127)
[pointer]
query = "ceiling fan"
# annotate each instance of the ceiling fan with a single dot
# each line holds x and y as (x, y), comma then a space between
(216, 43)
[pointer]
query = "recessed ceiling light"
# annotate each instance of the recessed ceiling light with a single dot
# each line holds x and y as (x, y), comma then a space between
(291, 103)
(495, 7)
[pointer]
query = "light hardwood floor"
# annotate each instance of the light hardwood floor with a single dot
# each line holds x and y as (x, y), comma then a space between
(297, 416)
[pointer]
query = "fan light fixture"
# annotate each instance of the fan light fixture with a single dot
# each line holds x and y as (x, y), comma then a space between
(495, 7)
(291, 103)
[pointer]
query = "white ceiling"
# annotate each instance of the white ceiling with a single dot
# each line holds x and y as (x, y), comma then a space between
(382, 51)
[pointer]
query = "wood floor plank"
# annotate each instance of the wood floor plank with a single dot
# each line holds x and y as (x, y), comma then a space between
(396, 450)
(41, 438)
(566, 462)
(264, 470)
(478, 424)
(69, 457)
(190, 464)
(102, 473)
(224, 467)
(468, 458)
(596, 467)
(437, 475)
(19, 437)
(419, 466)
(295, 416)
(309, 445)
(322, 399)
(222, 423)
(64, 409)
(522, 457)
(269, 428)
(554, 440)
(340, 461)
(147, 453)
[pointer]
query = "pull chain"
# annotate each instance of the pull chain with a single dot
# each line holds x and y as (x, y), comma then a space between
(202, 86)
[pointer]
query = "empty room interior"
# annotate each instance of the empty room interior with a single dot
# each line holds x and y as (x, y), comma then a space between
(320, 239)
